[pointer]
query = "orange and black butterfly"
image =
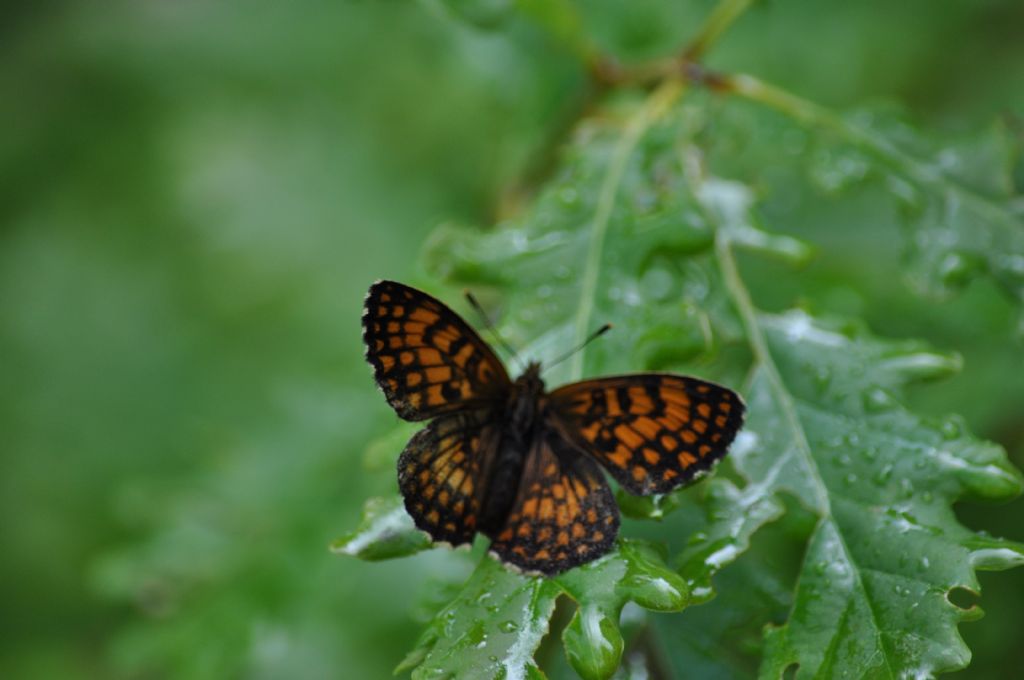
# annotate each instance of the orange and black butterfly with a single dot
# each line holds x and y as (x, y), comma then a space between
(519, 464)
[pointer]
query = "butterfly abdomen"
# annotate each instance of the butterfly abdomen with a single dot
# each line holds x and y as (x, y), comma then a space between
(520, 421)
(502, 484)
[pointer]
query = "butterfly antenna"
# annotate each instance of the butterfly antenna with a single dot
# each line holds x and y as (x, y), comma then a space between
(488, 325)
(593, 336)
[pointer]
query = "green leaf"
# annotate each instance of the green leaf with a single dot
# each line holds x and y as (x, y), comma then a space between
(825, 427)
(888, 548)
(955, 198)
(725, 639)
(386, 531)
(493, 626)
(496, 621)
(655, 507)
(614, 237)
(490, 630)
(631, 231)
(634, 572)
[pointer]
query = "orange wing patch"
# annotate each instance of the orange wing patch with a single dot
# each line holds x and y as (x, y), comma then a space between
(564, 514)
(438, 473)
(425, 358)
(652, 431)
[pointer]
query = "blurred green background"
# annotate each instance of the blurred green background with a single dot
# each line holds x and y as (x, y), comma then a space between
(194, 198)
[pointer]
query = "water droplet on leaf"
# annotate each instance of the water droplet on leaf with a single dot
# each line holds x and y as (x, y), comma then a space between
(951, 428)
(878, 400)
(822, 377)
(907, 487)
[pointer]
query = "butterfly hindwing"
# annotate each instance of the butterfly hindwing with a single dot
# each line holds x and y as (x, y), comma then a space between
(439, 474)
(564, 514)
(651, 431)
(425, 358)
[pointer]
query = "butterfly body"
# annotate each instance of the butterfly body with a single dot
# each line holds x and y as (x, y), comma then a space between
(520, 418)
(517, 463)
(524, 408)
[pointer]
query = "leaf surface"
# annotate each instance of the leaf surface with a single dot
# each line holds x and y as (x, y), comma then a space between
(872, 596)
(955, 197)
(631, 231)
(611, 239)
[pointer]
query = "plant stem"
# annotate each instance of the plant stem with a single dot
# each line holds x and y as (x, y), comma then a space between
(822, 506)
(562, 20)
(762, 355)
(656, 104)
(686, 63)
(721, 18)
(810, 114)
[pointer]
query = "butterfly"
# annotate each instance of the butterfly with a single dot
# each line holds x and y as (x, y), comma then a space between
(521, 465)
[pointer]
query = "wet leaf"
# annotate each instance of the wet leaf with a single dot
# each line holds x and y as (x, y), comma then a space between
(632, 231)
(887, 548)
(826, 427)
(490, 630)
(955, 198)
(386, 531)
(614, 237)
(495, 623)
(634, 572)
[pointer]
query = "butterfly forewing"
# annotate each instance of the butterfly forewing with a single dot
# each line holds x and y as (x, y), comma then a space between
(425, 358)
(564, 514)
(652, 431)
(439, 475)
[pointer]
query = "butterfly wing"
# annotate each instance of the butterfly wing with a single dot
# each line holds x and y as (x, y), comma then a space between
(425, 358)
(652, 431)
(439, 475)
(564, 514)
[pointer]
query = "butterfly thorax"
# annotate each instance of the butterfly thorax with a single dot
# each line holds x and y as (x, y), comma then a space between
(521, 420)
(524, 400)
